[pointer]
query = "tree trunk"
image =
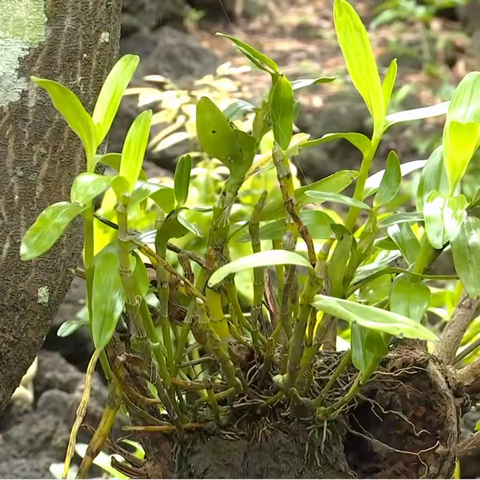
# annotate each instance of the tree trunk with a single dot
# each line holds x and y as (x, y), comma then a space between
(74, 42)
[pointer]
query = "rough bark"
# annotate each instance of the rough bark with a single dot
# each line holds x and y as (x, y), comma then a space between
(74, 42)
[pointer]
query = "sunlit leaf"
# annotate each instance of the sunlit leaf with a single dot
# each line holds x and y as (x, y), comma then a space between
(182, 179)
(307, 82)
(466, 255)
(134, 148)
(389, 82)
(358, 54)
(121, 186)
(409, 298)
(245, 48)
(71, 326)
(390, 183)
(403, 236)
(281, 111)
(87, 186)
(417, 114)
(362, 142)
(48, 228)
(373, 317)
(163, 196)
(72, 110)
(261, 259)
(336, 198)
(367, 346)
(111, 94)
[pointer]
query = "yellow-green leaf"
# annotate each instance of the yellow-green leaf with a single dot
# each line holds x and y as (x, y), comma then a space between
(407, 242)
(434, 177)
(389, 82)
(48, 228)
(111, 95)
(362, 68)
(362, 142)
(390, 183)
(87, 186)
(409, 298)
(281, 111)
(182, 179)
(134, 148)
(72, 110)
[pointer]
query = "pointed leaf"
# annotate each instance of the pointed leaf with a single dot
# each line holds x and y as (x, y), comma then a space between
(121, 186)
(409, 299)
(417, 114)
(334, 183)
(403, 236)
(260, 57)
(48, 228)
(433, 213)
(144, 190)
(336, 198)
(390, 183)
(261, 259)
(317, 222)
(134, 148)
(339, 260)
(358, 54)
(362, 142)
(372, 317)
(389, 82)
(87, 186)
(460, 143)
(373, 182)
(108, 298)
(454, 214)
(238, 109)
(307, 82)
(367, 346)
(189, 226)
(434, 177)
(182, 179)
(111, 94)
(401, 217)
(140, 275)
(281, 111)
(466, 255)
(72, 110)
(69, 327)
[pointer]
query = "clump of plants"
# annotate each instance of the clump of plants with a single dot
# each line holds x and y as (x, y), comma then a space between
(194, 362)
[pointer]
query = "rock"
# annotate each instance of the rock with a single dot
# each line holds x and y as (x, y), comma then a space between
(31, 440)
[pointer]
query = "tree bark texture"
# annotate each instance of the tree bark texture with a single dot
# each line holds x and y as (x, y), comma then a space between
(74, 42)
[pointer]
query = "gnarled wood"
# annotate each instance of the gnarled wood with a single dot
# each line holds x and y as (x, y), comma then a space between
(74, 42)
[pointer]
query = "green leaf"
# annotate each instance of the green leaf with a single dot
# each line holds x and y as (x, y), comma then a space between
(120, 186)
(403, 236)
(466, 255)
(134, 148)
(339, 259)
(390, 183)
(317, 222)
(461, 133)
(459, 148)
(48, 228)
(307, 82)
(373, 182)
(111, 94)
(182, 179)
(189, 226)
(87, 186)
(434, 177)
(401, 217)
(108, 298)
(477, 427)
(373, 317)
(164, 197)
(281, 111)
(417, 114)
(334, 183)
(114, 160)
(72, 110)
(454, 213)
(389, 82)
(367, 346)
(245, 48)
(71, 326)
(336, 198)
(358, 140)
(140, 275)
(358, 54)
(409, 299)
(237, 110)
(261, 259)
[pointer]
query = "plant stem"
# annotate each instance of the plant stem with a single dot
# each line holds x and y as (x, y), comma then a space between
(424, 256)
(361, 180)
